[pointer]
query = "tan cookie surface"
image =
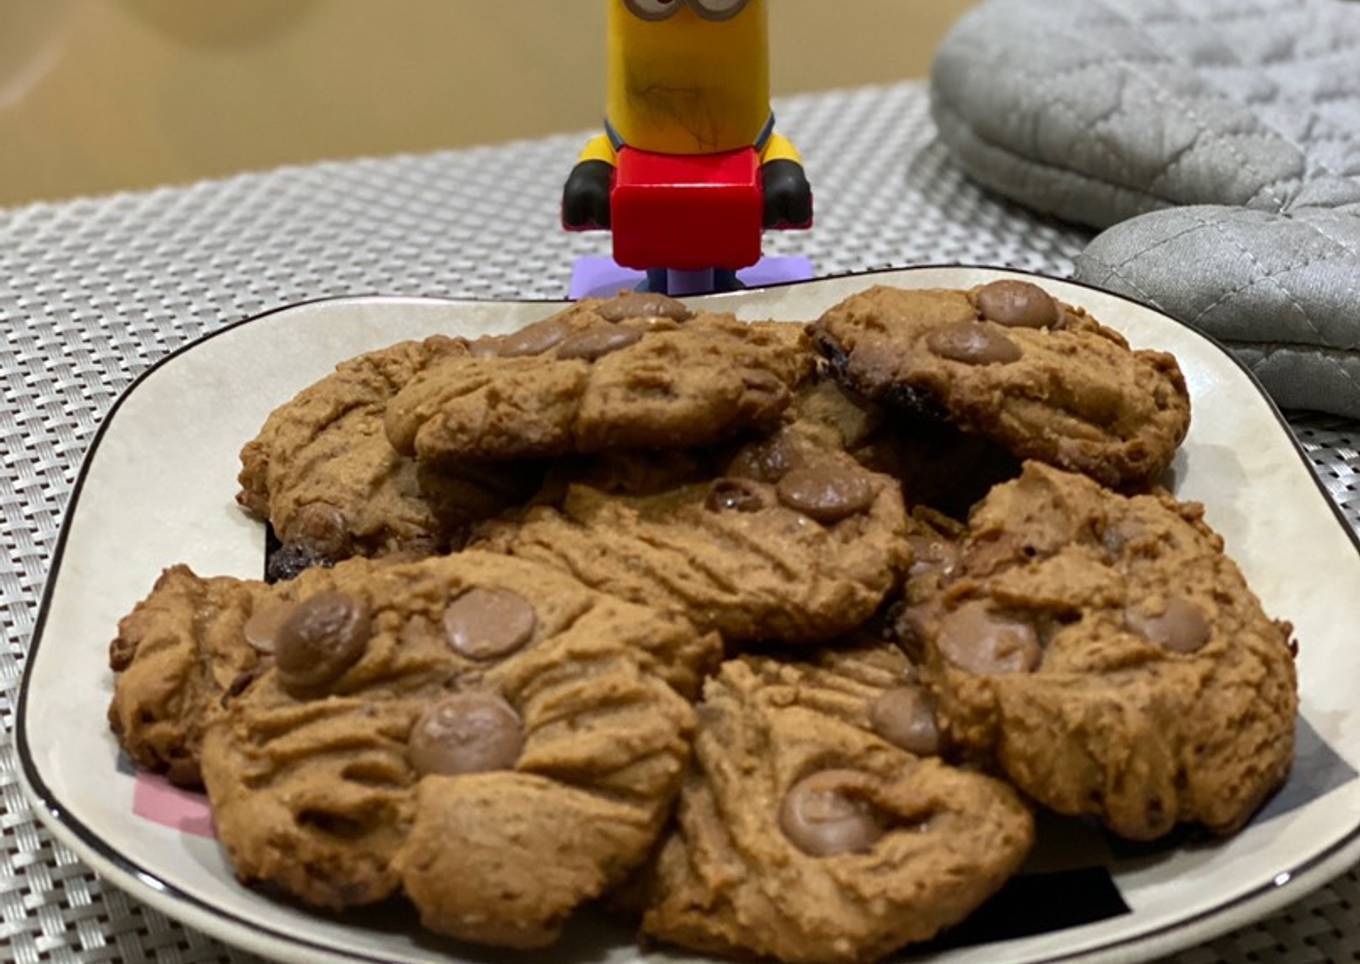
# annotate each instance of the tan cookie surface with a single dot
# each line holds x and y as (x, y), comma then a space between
(803, 835)
(637, 383)
(798, 552)
(1108, 656)
(175, 655)
(486, 735)
(1044, 380)
(323, 473)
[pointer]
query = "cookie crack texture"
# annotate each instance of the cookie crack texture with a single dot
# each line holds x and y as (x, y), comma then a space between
(1162, 693)
(910, 846)
(800, 581)
(679, 385)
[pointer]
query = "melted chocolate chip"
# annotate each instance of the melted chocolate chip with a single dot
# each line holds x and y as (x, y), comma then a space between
(322, 638)
(769, 460)
(1182, 627)
(467, 733)
(635, 304)
(827, 493)
(535, 339)
(594, 343)
(1018, 304)
(265, 624)
(986, 644)
(932, 555)
(911, 623)
(905, 718)
(489, 623)
(973, 344)
(320, 528)
(736, 495)
(822, 816)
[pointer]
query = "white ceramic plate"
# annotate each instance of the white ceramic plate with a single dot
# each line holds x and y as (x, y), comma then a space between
(157, 488)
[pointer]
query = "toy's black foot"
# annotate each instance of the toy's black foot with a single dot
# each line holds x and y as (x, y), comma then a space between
(726, 281)
(655, 283)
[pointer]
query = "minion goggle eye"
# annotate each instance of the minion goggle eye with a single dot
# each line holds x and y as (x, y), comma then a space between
(665, 9)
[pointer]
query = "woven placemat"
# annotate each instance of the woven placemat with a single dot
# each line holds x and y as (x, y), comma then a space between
(94, 291)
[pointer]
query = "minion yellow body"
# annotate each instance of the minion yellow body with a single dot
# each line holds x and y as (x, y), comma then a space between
(689, 85)
(687, 78)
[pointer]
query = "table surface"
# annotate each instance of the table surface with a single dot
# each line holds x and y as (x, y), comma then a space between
(93, 291)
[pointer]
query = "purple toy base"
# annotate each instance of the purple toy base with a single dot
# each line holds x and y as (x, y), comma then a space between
(604, 277)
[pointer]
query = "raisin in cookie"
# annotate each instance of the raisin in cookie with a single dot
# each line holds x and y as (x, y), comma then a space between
(806, 832)
(632, 384)
(1011, 364)
(1109, 658)
(486, 735)
(798, 552)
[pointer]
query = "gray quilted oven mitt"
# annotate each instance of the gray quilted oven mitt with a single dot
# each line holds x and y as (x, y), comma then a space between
(1217, 140)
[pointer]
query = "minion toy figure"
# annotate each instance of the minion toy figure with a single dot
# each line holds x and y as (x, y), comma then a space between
(690, 169)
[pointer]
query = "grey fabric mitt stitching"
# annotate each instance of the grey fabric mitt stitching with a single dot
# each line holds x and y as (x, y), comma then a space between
(1116, 112)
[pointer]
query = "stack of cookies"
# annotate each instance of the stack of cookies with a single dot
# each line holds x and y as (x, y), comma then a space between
(771, 635)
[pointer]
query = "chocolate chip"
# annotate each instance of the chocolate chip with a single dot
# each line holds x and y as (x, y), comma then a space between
(322, 638)
(911, 627)
(736, 495)
(1018, 304)
(635, 304)
(1181, 627)
(769, 460)
(467, 733)
(535, 339)
(265, 624)
(321, 528)
(595, 343)
(489, 623)
(822, 816)
(932, 555)
(973, 344)
(981, 642)
(905, 718)
(827, 493)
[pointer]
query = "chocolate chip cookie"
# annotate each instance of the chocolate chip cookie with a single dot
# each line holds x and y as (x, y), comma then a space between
(638, 383)
(322, 472)
(1010, 363)
(816, 824)
(799, 549)
(1109, 658)
(484, 734)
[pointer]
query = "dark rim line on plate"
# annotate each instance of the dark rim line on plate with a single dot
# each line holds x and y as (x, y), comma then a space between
(131, 868)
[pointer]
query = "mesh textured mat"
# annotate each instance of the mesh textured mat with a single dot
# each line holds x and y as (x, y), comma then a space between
(94, 291)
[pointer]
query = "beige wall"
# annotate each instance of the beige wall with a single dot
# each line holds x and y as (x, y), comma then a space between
(98, 95)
